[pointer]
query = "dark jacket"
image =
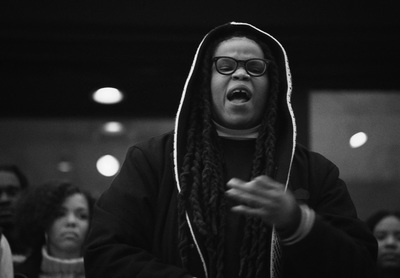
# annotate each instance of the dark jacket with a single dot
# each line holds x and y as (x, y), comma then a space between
(135, 226)
(30, 268)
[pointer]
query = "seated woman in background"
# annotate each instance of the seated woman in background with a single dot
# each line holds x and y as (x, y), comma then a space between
(53, 219)
(385, 226)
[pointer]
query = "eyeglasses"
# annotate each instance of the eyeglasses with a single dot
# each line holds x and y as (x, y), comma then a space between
(228, 65)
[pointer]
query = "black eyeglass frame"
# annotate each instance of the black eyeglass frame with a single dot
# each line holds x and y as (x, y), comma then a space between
(241, 62)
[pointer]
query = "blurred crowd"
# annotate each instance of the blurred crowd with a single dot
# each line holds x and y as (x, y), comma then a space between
(43, 229)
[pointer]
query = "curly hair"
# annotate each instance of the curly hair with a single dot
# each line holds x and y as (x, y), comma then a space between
(39, 207)
(23, 181)
(202, 178)
(376, 217)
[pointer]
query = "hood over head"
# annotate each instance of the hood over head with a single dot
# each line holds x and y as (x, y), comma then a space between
(286, 123)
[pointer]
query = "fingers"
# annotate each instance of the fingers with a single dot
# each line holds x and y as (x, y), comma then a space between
(258, 184)
(262, 197)
(257, 191)
(249, 211)
(239, 192)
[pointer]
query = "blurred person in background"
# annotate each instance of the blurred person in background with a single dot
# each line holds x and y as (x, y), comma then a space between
(13, 183)
(385, 226)
(53, 219)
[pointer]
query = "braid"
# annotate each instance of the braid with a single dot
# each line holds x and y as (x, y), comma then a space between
(262, 249)
(203, 180)
(254, 247)
(182, 196)
(202, 184)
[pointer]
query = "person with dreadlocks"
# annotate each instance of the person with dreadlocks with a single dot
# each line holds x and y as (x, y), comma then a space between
(229, 192)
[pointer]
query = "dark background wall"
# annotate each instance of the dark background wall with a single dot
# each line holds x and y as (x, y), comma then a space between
(54, 54)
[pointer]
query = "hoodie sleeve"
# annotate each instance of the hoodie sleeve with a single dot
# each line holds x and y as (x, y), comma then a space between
(122, 232)
(339, 244)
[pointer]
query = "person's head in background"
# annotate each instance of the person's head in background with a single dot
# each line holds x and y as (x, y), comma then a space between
(56, 216)
(12, 184)
(385, 226)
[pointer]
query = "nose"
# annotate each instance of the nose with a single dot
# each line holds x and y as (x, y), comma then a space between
(4, 197)
(71, 219)
(391, 241)
(240, 73)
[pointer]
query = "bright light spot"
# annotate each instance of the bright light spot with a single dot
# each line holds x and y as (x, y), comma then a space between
(358, 139)
(107, 165)
(64, 166)
(113, 127)
(108, 95)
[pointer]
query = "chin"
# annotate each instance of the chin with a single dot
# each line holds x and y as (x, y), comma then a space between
(390, 265)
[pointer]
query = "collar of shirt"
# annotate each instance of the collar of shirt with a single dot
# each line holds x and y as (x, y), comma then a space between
(237, 134)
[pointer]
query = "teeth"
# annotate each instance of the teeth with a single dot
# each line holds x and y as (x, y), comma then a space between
(240, 95)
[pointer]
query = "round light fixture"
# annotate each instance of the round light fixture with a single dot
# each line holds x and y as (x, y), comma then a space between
(107, 165)
(108, 95)
(358, 139)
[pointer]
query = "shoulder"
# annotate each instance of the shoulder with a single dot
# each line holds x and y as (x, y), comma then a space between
(31, 266)
(152, 156)
(313, 168)
(6, 267)
(163, 142)
(311, 158)
(5, 250)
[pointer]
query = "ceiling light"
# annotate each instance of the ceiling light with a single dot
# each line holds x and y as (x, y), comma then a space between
(108, 95)
(107, 165)
(358, 139)
(64, 166)
(113, 127)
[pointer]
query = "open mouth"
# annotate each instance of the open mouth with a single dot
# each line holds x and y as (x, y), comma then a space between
(239, 95)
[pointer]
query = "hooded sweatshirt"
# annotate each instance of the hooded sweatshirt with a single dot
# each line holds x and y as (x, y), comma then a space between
(134, 232)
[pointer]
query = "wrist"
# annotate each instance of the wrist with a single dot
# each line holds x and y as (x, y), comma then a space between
(307, 219)
(289, 227)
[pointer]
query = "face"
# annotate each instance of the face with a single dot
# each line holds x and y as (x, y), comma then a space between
(232, 108)
(67, 233)
(387, 232)
(10, 191)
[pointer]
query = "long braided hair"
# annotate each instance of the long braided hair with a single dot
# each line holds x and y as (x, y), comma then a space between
(203, 182)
